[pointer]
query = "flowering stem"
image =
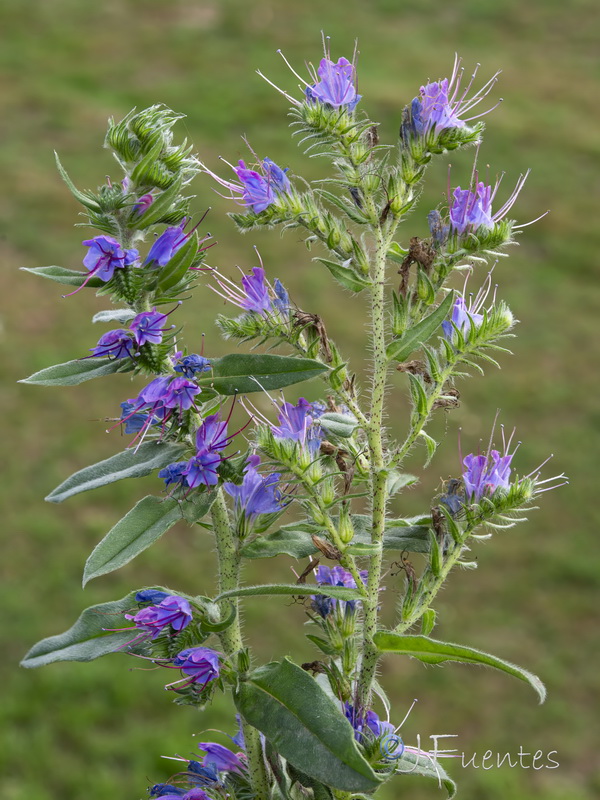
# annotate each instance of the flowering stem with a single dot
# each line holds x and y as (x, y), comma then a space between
(228, 572)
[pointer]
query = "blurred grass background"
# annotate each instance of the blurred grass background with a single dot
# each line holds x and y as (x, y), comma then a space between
(98, 731)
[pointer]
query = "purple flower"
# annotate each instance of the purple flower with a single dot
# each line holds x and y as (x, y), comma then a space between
(172, 611)
(117, 343)
(148, 327)
(202, 469)
(212, 434)
(257, 190)
(471, 209)
(143, 204)
(174, 473)
(484, 474)
(298, 424)
(167, 244)
(462, 318)
(104, 256)
(334, 576)
(135, 421)
(442, 104)
(192, 364)
(336, 87)
(206, 773)
(180, 394)
(166, 791)
(368, 720)
(200, 664)
(220, 758)
(257, 494)
(256, 294)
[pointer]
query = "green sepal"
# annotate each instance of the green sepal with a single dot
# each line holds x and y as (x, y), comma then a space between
(305, 725)
(90, 637)
(435, 559)
(141, 527)
(241, 373)
(419, 334)
(428, 621)
(347, 277)
(417, 391)
(430, 651)
(69, 277)
(131, 463)
(72, 373)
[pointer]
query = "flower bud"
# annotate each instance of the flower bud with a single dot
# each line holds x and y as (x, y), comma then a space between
(345, 525)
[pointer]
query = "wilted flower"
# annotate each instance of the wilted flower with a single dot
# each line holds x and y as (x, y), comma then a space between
(115, 344)
(442, 104)
(190, 365)
(257, 190)
(174, 473)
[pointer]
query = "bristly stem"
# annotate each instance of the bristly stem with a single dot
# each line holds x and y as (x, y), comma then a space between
(228, 571)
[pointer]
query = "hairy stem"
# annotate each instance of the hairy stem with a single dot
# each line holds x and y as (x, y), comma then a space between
(231, 638)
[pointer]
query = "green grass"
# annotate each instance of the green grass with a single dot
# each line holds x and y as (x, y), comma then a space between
(98, 730)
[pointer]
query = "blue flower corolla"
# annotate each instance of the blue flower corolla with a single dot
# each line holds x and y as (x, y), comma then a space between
(365, 720)
(220, 758)
(256, 295)
(485, 474)
(167, 244)
(134, 420)
(148, 327)
(256, 190)
(166, 791)
(257, 494)
(334, 576)
(150, 596)
(172, 611)
(201, 773)
(212, 434)
(238, 739)
(174, 473)
(297, 422)
(190, 365)
(180, 394)
(104, 256)
(443, 104)
(199, 664)
(336, 87)
(201, 469)
(115, 344)
(462, 318)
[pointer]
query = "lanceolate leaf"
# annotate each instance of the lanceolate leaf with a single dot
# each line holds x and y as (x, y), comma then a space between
(160, 206)
(340, 592)
(89, 638)
(419, 334)
(347, 277)
(431, 651)
(288, 540)
(240, 373)
(138, 529)
(342, 425)
(70, 277)
(114, 315)
(72, 373)
(304, 725)
(132, 463)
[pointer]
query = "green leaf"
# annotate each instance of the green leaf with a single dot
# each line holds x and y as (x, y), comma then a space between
(177, 267)
(70, 277)
(88, 638)
(304, 725)
(399, 534)
(430, 444)
(396, 481)
(419, 334)
(347, 277)
(419, 764)
(431, 651)
(342, 425)
(71, 373)
(319, 790)
(428, 621)
(139, 528)
(418, 394)
(289, 540)
(340, 592)
(114, 315)
(350, 210)
(160, 206)
(240, 373)
(83, 198)
(131, 463)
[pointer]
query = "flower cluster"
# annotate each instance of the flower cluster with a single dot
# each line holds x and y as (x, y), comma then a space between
(201, 469)
(171, 611)
(158, 402)
(256, 189)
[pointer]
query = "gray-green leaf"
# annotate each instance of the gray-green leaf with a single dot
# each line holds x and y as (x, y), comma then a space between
(240, 373)
(431, 651)
(132, 463)
(70, 277)
(71, 373)
(348, 278)
(114, 315)
(304, 725)
(339, 592)
(419, 334)
(412, 763)
(88, 638)
(139, 528)
(342, 425)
